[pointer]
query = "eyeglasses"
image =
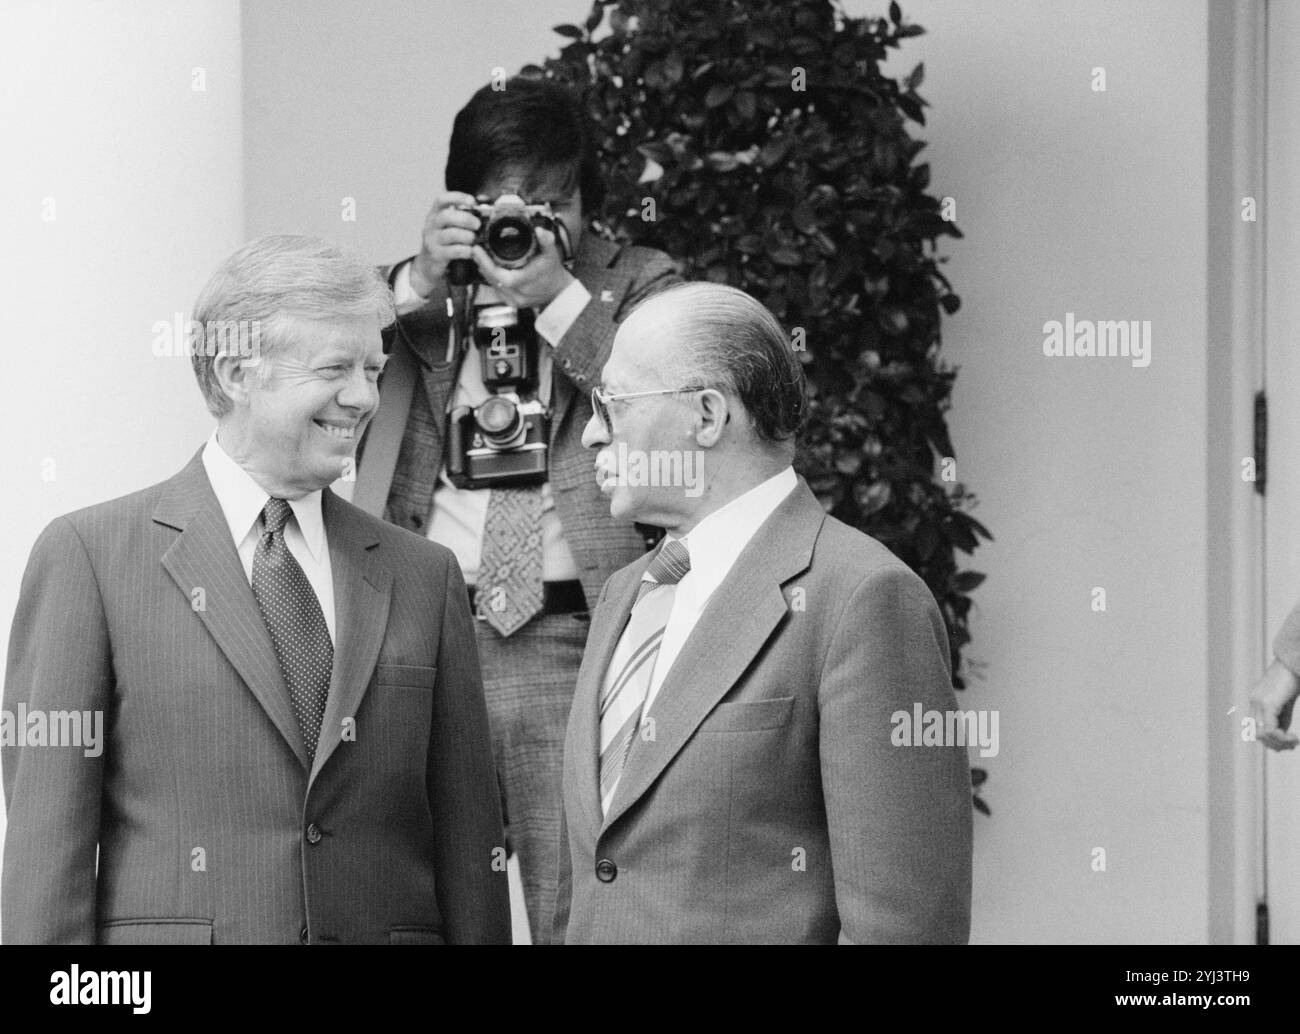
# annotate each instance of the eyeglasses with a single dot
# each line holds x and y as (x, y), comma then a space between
(600, 400)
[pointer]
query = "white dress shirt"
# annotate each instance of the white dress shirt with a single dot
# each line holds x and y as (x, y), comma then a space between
(460, 513)
(714, 545)
(242, 500)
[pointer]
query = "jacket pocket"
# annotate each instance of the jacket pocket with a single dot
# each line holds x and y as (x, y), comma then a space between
(155, 931)
(750, 715)
(414, 935)
(415, 676)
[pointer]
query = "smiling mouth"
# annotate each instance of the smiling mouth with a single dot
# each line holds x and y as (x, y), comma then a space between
(337, 430)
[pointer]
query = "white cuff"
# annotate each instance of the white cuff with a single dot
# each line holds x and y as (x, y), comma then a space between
(554, 321)
(404, 296)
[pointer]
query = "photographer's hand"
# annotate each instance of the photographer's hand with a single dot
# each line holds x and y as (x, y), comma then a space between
(448, 234)
(1271, 702)
(533, 286)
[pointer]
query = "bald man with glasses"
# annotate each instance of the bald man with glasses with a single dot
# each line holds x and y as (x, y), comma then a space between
(730, 773)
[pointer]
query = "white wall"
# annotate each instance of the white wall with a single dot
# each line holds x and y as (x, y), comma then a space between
(355, 99)
(99, 115)
(1090, 472)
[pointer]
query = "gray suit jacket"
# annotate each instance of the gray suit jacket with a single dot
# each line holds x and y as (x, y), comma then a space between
(208, 824)
(770, 806)
(617, 278)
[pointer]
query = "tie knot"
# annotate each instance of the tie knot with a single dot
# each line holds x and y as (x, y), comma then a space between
(671, 563)
(276, 514)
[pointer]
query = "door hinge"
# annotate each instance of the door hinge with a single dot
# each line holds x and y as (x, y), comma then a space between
(1261, 441)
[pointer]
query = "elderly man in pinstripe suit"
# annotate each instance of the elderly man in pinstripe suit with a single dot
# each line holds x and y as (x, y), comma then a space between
(297, 746)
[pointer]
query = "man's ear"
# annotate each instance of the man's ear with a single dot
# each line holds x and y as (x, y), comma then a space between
(235, 375)
(712, 413)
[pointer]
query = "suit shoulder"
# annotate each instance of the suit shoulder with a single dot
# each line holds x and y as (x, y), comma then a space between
(627, 259)
(641, 263)
(853, 557)
(120, 511)
(643, 255)
(392, 536)
(99, 531)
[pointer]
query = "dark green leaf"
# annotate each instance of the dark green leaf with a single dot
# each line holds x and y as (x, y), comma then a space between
(816, 203)
(674, 69)
(719, 94)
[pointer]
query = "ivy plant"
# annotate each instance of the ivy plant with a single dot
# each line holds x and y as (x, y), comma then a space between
(759, 143)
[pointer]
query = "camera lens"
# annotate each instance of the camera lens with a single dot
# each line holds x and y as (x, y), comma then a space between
(499, 421)
(509, 239)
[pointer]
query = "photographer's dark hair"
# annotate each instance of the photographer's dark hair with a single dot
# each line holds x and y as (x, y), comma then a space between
(531, 122)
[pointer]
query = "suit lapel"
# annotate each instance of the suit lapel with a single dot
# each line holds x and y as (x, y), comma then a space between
(362, 594)
(591, 266)
(439, 383)
(736, 622)
(204, 557)
(606, 627)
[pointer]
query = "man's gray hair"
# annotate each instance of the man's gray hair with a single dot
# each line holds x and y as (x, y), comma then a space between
(257, 293)
(729, 340)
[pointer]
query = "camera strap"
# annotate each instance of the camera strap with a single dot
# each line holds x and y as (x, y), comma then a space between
(374, 477)
(565, 243)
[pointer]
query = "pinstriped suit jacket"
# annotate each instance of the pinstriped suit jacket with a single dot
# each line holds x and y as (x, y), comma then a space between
(617, 278)
(767, 804)
(210, 828)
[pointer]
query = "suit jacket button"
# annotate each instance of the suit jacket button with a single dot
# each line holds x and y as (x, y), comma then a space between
(313, 834)
(302, 935)
(606, 871)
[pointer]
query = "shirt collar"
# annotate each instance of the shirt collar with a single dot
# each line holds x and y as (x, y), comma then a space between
(242, 499)
(718, 540)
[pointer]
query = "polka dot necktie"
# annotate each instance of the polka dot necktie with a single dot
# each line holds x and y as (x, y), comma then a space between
(296, 622)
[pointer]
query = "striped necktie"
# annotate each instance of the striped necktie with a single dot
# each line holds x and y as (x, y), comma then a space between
(627, 680)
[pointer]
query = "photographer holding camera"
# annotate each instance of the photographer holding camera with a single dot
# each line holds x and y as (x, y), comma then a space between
(477, 444)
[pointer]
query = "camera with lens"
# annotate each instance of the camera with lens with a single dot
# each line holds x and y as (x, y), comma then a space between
(507, 232)
(502, 442)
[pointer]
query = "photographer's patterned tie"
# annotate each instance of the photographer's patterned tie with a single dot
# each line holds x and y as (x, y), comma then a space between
(293, 616)
(623, 692)
(509, 586)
